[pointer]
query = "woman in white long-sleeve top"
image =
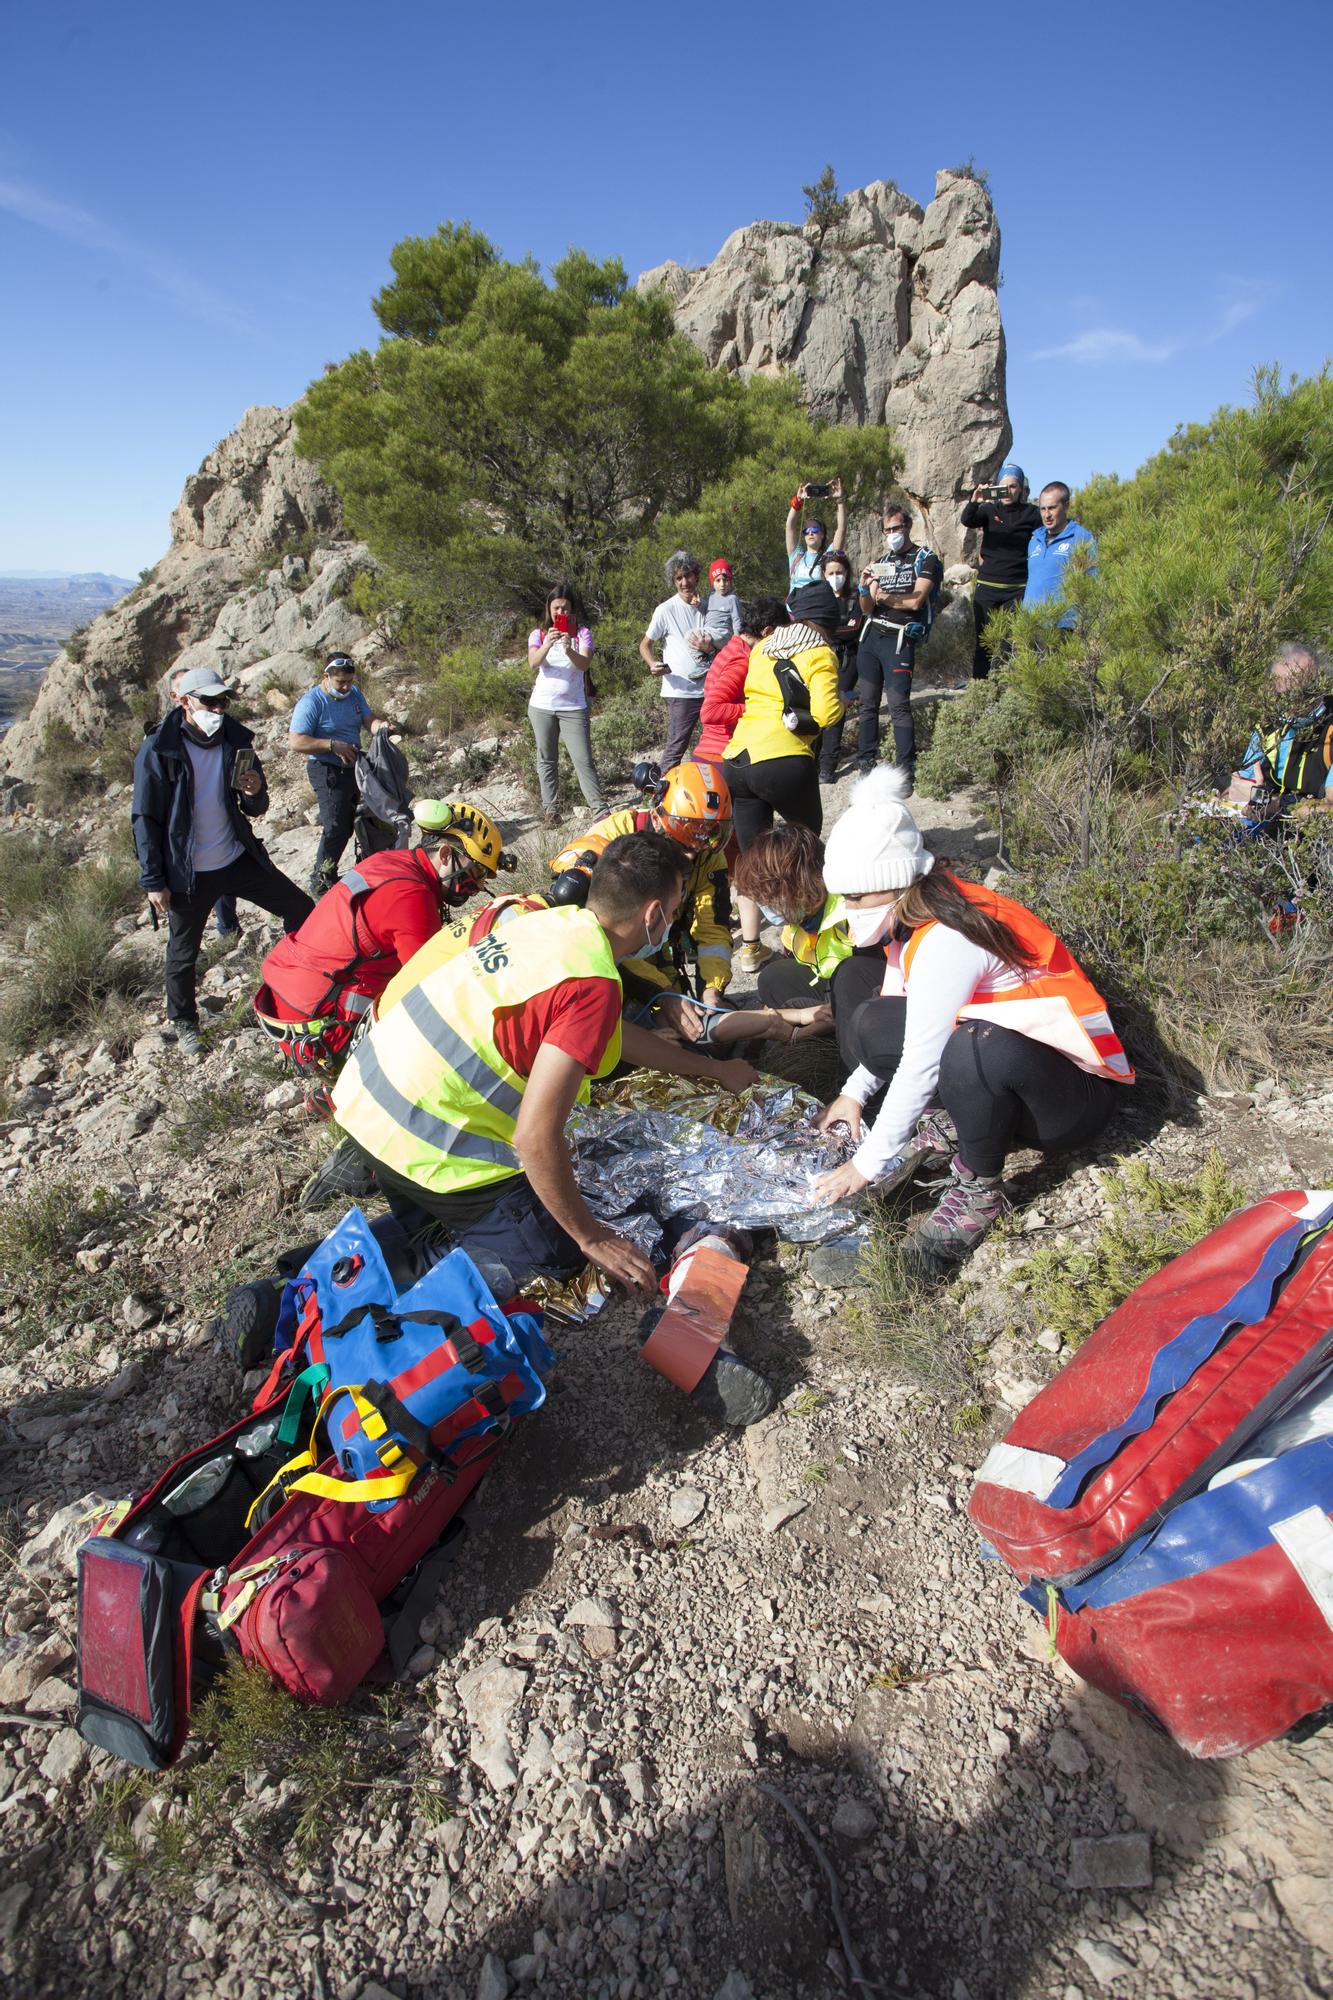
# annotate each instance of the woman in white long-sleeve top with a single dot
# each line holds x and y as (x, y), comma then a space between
(987, 1032)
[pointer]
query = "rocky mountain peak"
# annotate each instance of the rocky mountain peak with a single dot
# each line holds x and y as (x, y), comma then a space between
(892, 316)
(257, 570)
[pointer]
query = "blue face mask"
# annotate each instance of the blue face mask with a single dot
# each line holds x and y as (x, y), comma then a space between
(771, 916)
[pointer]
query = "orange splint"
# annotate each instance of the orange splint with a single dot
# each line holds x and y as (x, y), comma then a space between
(703, 1291)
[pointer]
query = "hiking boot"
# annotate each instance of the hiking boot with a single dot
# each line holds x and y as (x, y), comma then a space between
(189, 1041)
(935, 1141)
(732, 1392)
(346, 1172)
(551, 820)
(246, 1323)
(907, 772)
(753, 957)
(966, 1212)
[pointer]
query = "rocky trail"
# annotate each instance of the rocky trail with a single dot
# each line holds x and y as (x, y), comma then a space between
(696, 1713)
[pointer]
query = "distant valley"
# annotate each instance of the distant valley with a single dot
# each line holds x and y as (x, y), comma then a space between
(37, 615)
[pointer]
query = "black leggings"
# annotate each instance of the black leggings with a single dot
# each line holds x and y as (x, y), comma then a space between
(786, 785)
(1002, 1089)
(884, 667)
(853, 988)
(986, 601)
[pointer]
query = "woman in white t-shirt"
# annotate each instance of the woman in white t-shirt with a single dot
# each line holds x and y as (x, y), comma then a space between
(560, 655)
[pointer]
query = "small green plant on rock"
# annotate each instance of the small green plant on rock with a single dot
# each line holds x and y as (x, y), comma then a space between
(1151, 1220)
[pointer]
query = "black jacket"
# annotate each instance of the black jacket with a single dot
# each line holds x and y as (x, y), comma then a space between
(163, 810)
(1006, 532)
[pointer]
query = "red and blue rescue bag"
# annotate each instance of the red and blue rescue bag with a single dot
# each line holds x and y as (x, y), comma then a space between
(1167, 1497)
(304, 1559)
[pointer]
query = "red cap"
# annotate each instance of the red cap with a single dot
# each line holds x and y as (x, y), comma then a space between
(714, 567)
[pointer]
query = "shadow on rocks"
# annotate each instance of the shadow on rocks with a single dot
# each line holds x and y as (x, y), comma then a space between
(1021, 1876)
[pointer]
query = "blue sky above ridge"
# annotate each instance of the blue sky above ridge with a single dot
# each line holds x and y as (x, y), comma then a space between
(196, 211)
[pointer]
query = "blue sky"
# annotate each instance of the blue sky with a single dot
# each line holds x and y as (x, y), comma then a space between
(196, 206)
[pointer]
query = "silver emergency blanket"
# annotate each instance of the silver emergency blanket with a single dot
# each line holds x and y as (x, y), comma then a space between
(653, 1149)
(657, 1147)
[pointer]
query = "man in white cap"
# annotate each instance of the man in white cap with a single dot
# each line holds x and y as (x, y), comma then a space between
(197, 786)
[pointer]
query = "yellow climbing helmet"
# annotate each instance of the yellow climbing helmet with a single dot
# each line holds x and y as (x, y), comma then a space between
(468, 827)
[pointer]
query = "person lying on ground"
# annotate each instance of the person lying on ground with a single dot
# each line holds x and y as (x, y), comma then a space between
(459, 1097)
(692, 808)
(981, 1011)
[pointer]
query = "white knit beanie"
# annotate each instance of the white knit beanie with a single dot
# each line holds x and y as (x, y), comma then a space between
(876, 844)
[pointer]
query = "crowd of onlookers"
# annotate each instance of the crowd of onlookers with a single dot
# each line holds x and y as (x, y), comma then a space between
(450, 1028)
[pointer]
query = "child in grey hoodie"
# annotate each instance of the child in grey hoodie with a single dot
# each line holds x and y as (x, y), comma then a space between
(722, 613)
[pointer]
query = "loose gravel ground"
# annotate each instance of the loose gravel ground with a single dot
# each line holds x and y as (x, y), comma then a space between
(684, 1695)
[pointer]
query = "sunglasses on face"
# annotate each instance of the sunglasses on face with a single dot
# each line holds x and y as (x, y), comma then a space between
(211, 700)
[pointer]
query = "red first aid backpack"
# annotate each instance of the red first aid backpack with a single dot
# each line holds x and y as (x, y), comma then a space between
(1166, 1499)
(270, 1544)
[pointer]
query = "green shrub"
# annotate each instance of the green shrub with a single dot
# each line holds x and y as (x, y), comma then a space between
(39, 1231)
(627, 725)
(71, 965)
(33, 876)
(208, 1114)
(1151, 1219)
(931, 1338)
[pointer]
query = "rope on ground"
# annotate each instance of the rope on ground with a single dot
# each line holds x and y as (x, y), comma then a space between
(804, 1828)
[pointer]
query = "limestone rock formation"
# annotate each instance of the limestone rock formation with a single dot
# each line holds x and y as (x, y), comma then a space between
(893, 318)
(259, 565)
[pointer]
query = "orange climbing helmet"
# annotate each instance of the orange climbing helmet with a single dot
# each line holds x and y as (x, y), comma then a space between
(693, 805)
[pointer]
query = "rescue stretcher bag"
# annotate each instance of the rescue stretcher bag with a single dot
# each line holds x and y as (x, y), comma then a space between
(259, 1544)
(1166, 1498)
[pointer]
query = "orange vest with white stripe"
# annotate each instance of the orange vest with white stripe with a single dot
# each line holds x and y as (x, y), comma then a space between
(1050, 998)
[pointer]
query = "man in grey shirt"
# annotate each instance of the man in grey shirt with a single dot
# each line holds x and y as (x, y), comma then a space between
(678, 626)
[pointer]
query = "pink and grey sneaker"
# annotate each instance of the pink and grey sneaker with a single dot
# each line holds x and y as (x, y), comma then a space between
(966, 1212)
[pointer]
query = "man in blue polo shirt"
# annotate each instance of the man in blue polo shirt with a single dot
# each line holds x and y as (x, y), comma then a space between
(1050, 548)
(326, 724)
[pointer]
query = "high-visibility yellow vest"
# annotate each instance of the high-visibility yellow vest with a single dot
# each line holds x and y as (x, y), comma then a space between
(827, 945)
(451, 939)
(427, 1092)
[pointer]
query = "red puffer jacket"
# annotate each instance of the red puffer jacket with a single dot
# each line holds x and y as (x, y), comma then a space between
(724, 697)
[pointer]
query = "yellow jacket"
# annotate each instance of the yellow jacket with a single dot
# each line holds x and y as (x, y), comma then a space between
(705, 912)
(761, 729)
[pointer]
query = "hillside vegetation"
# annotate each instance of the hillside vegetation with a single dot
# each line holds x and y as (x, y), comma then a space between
(507, 434)
(1098, 746)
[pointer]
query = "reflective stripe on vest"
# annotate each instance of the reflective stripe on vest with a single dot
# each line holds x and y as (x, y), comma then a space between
(826, 947)
(1050, 999)
(428, 1092)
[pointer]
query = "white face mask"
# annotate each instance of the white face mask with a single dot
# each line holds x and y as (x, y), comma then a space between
(835, 580)
(205, 721)
(895, 542)
(867, 925)
(652, 944)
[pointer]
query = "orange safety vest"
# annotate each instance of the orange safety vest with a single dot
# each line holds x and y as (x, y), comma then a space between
(1050, 999)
